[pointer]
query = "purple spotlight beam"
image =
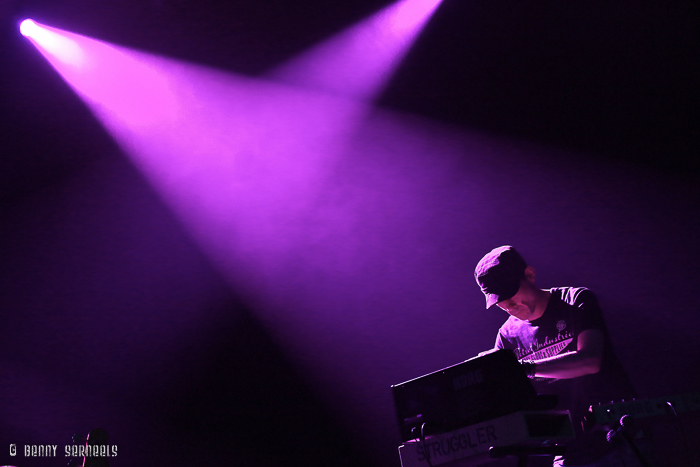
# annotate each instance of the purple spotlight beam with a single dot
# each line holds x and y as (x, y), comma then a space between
(239, 154)
(269, 179)
(57, 47)
(117, 84)
(358, 62)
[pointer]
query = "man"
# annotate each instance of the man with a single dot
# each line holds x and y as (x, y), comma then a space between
(558, 334)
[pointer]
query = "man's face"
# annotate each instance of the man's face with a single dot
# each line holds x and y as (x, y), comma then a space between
(522, 305)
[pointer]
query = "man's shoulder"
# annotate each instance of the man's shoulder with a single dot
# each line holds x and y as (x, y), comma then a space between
(574, 296)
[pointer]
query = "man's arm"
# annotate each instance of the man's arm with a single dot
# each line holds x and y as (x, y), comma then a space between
(584, 361)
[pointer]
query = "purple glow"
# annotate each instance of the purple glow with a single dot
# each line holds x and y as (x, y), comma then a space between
(353, 239)
(289, 192)
(54, 42)
(27, 27)
(409, 16)
(359, 61)
(118, 84)
(242, 152)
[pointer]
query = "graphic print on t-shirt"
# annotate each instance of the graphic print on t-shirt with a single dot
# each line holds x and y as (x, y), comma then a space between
(541, 350)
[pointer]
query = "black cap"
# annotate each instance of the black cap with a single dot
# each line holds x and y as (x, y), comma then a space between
(499, 274)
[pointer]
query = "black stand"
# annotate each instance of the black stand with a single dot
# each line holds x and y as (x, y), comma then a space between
(626, 431)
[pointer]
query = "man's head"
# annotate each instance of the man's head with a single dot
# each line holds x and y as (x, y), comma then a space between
(507, 280)
(499, 274)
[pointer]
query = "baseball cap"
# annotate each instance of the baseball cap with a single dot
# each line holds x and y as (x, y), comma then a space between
(499, 274)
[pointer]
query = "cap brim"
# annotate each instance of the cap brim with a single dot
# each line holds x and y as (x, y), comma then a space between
(491, 300)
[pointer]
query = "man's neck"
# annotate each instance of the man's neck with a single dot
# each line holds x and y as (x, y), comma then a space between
(542, 300)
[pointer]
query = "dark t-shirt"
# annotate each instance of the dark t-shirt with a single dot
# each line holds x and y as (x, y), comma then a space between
(569, 312)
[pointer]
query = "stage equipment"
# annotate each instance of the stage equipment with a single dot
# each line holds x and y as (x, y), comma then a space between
(524, 433)
(479, 389)
(483, 408)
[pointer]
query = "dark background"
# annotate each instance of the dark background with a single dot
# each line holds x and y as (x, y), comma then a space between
(111, 315)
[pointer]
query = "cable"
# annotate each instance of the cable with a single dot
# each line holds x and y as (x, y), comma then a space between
(425, 449)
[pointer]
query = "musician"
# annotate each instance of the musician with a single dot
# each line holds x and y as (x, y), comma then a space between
(559, 334)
